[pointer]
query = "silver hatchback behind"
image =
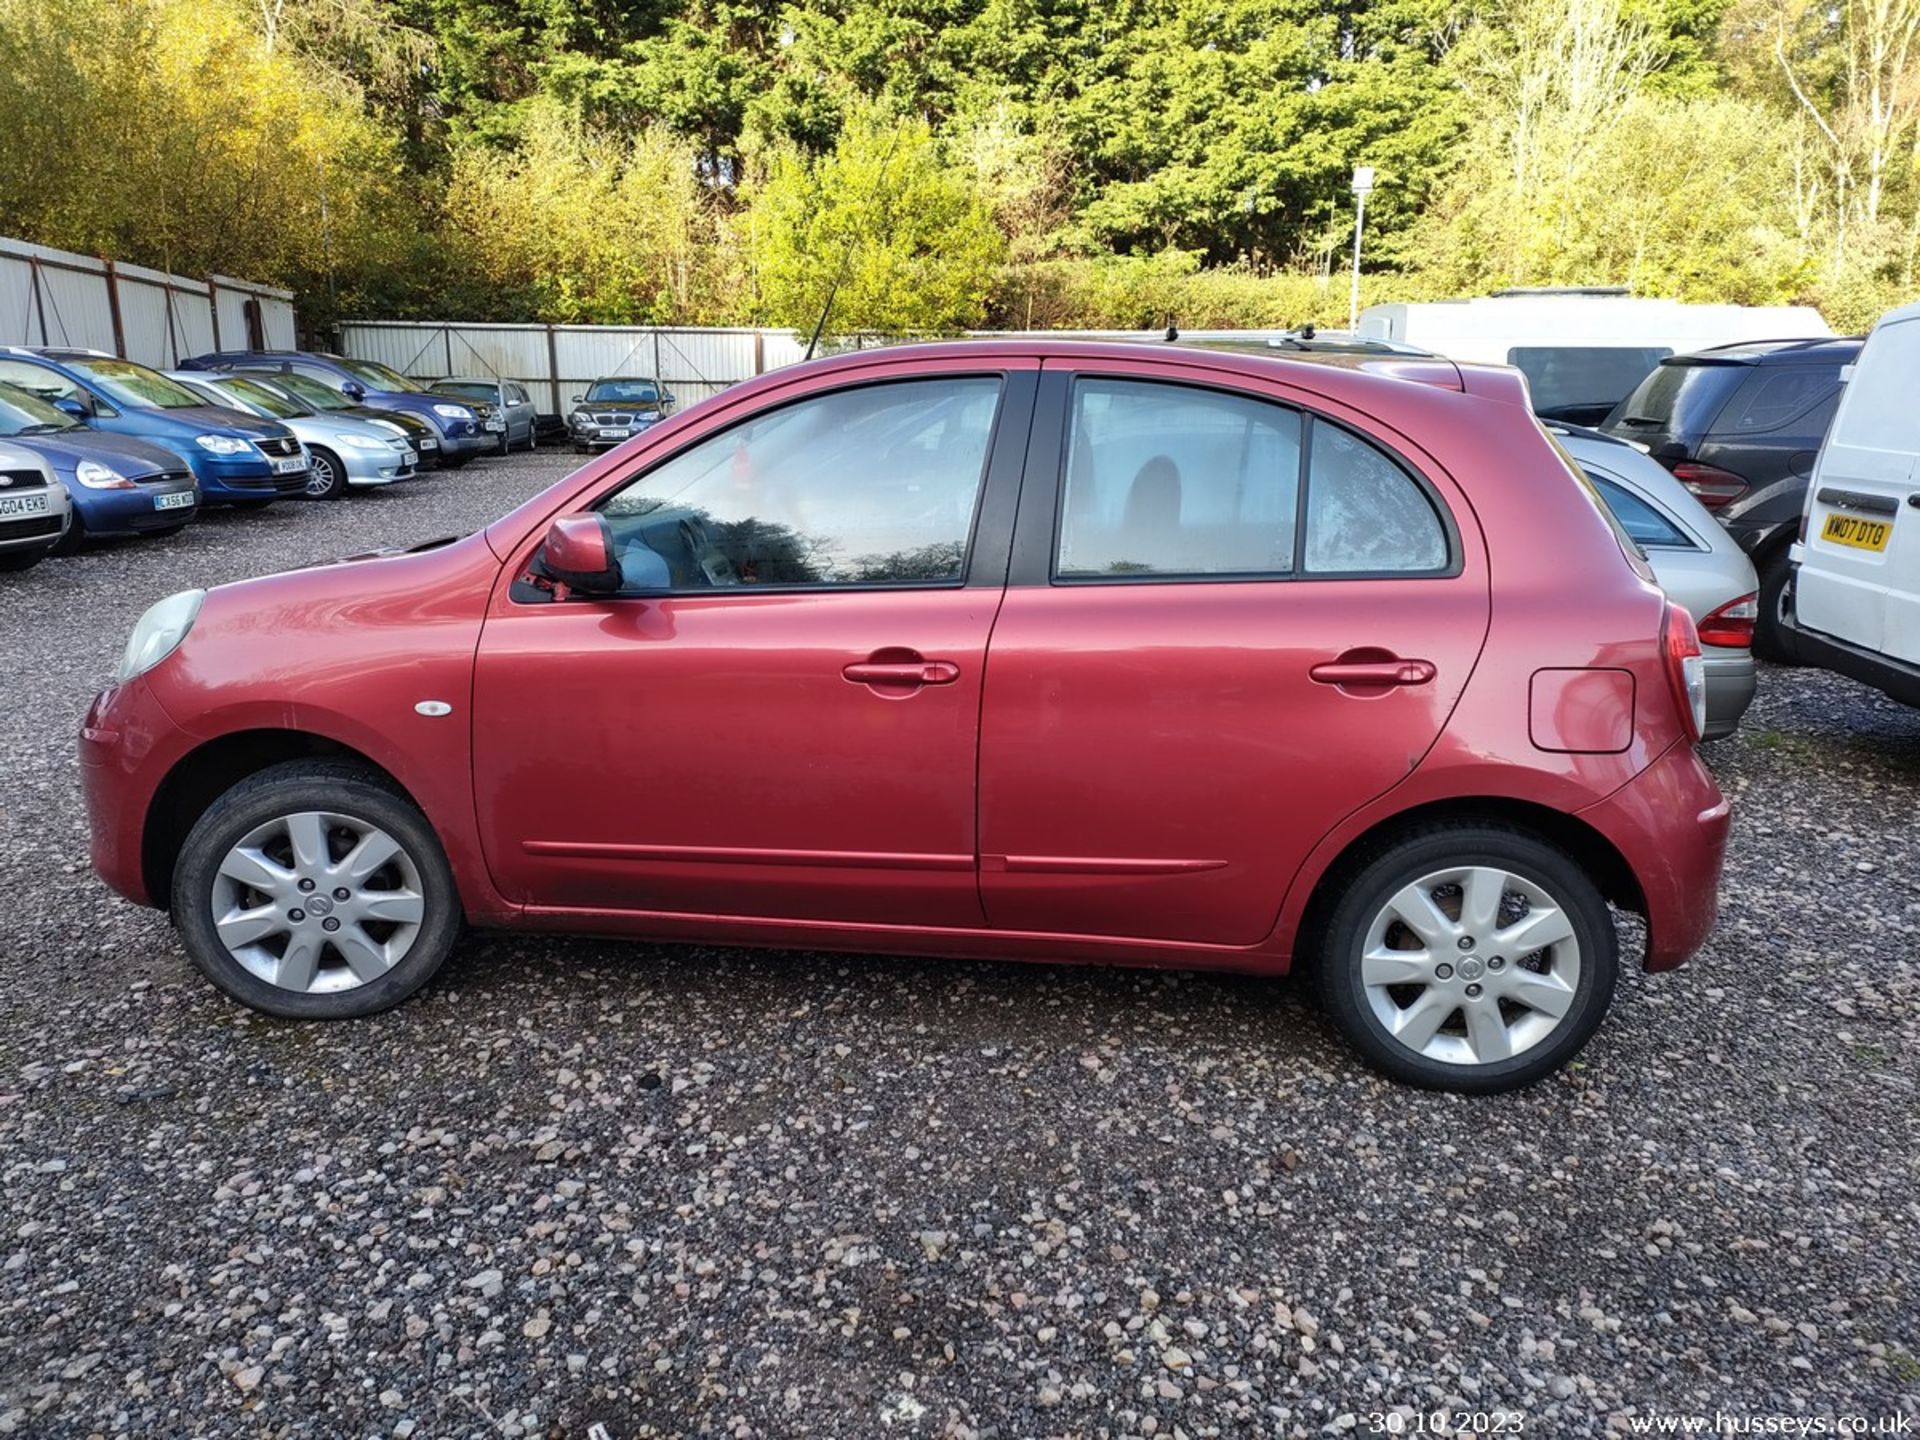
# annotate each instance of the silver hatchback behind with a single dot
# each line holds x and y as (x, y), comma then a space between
(1700, 566)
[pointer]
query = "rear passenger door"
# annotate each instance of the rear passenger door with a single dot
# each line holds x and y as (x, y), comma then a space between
(1231, 620)
(1860, 581)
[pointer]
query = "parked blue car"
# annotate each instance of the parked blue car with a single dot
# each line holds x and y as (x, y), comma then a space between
(460, 425)
(238, 459)
(119, 485)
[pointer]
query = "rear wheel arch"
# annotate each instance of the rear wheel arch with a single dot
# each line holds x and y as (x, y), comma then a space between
(1586, 846)
(203, 775)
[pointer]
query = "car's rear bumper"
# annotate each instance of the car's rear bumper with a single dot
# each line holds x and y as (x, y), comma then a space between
(1670, 825)
(1887, 675)
(1730, 685)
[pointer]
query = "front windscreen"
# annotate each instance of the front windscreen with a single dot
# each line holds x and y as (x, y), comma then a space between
(126, 383)
(377, 376)
(624, 392)
(24, 413)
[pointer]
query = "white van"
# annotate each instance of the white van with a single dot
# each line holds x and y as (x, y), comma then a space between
(1582, 350)
(1855, 606)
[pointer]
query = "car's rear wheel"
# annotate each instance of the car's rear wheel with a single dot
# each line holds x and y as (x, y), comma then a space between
(1475, 958)
(315, 891)
(1771, 639)
(327, 480)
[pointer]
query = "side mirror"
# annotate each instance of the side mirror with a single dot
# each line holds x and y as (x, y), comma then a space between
(73, 406)
(353, 390)
(578, 399)
(579, 554)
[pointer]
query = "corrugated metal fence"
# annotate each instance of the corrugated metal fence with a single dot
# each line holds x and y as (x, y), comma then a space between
(54, 297)
(557, 362)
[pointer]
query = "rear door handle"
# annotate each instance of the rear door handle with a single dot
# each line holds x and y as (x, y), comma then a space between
(1374, 672)
(903, 672)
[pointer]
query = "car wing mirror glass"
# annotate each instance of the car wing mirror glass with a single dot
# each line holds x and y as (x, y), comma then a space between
(74, 406)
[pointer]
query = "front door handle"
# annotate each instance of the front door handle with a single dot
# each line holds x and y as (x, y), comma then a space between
(1374, 672)
(903, 672)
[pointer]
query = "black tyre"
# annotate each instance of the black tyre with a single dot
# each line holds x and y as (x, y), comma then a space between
(1474, 958)
(314, 890)
(1771, 641)
(505, 446)
(328, 478)
(75, 537)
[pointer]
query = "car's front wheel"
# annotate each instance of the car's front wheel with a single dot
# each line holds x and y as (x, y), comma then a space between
(1475, 958)
(313, 890)
(327, 480)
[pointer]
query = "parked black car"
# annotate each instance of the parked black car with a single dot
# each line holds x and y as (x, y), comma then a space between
(615, 408)
(1740, 426)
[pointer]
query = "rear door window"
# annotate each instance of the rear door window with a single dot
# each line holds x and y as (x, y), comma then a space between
(1172, 480)
(1168, 481)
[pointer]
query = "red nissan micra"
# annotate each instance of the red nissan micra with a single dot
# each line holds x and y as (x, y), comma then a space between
(1152, 655)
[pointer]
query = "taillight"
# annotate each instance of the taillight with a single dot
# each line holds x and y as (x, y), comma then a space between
(1711, 486)
(1686, 670)
(1732, 624)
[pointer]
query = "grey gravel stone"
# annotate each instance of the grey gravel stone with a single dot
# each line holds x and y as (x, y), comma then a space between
(715, 1192)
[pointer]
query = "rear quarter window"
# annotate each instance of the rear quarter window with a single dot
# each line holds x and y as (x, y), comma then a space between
(1777, 397)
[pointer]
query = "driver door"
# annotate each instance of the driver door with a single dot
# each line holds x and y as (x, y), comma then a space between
(778, 716)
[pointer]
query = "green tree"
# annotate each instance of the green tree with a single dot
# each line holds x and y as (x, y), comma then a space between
(884, 226)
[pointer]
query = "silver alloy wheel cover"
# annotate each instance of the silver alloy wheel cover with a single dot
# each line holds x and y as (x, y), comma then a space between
(321, 476)
(1414, 943)
(257, 899)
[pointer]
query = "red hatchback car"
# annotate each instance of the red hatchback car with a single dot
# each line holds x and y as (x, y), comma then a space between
(1152, 655)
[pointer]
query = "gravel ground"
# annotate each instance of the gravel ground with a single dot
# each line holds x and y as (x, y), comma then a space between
(683, 1191)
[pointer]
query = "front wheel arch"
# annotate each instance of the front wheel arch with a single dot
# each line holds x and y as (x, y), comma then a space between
(203, 775)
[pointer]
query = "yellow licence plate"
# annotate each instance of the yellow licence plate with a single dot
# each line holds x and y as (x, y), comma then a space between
(1860, 534)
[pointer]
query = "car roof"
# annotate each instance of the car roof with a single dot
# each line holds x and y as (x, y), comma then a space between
(468, 380)
(1827, 349)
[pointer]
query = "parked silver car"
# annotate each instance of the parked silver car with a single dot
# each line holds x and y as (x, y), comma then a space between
(1700, 566)
(512, 416)
(35, 509)
(345, 450)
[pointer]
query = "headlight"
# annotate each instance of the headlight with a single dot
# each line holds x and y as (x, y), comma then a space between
(157, 633)
(453, 412)
(581, 417)
(95, 476)
(364, 442)
(223, 444)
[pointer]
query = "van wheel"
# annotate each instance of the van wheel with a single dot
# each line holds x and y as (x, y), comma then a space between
(1771, 640)
(1473, 958)
(313, 890)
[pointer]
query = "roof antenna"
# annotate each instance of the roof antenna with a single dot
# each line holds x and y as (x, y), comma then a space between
(1306, 331)
(846, 256)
